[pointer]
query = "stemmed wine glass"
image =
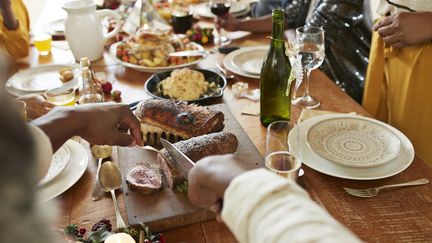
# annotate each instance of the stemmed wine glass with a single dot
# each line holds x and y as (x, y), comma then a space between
(220, 8)
(309, 44)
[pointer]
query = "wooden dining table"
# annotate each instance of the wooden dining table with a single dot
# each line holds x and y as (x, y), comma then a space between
(400, 215)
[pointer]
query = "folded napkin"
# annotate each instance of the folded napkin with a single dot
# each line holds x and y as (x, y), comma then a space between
(307, 113)
(251, 109)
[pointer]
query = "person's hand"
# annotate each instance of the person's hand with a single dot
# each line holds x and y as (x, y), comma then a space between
(101, 124)
(36, 105)
(405, 29)
(209, 179)
(108, 124)
(228, 22)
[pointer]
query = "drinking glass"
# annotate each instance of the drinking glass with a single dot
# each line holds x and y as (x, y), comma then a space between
(181, 17)
(220, 8)
(309, 44)
(61, 96)
(21, 108)
(277, 136)
(42, 43)
(283, 164)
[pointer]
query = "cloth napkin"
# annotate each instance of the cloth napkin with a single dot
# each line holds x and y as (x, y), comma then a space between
(307, 113)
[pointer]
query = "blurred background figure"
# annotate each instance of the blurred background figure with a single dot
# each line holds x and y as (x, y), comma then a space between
(347, 25)
(398, 82)
(15, 27)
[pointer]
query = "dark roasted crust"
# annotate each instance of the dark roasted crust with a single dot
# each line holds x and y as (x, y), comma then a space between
(199, 147)
(180, 118)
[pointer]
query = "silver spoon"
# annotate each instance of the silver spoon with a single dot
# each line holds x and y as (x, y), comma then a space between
(100, 152)
(224, 72)
(110, 180)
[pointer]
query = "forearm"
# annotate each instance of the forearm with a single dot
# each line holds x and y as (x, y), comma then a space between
(59, 125)
(262, 207)
(262, 24)
(428, 23)
(9, 19)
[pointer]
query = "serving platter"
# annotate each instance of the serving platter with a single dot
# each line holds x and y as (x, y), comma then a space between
(170, 209)
(113, 50)
(298, 142)
(353, 142)
(151, 84)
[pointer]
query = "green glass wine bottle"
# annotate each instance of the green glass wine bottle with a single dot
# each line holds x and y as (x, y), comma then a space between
(275, 87)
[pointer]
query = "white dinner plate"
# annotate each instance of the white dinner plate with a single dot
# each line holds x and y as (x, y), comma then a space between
(250, 61)
(311, 159)
(69, 176)
(59, 162)
(237, 9)
(238, 55)
(38, 79)
(113, 50)
(353, 142)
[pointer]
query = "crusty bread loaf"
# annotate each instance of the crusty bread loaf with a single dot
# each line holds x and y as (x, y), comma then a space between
(175, 121)
(196, 148)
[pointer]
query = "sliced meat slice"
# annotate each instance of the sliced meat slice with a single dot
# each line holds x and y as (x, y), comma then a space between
(145, 178)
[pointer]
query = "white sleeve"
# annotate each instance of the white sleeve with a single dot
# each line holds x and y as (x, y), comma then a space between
(260, 206)
(42, 149)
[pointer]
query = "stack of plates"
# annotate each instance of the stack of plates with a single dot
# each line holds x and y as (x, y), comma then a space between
(351, 147)
(68, 165)
(39, 79)
(246, 61)
(237, 9)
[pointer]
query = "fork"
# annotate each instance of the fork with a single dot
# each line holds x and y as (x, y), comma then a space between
(372, 192)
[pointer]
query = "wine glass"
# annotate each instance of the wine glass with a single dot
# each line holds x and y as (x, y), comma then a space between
(220, 8)
(309, 44)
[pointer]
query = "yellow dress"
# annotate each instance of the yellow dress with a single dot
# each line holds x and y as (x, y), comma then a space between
(398, 91)
(16, 42)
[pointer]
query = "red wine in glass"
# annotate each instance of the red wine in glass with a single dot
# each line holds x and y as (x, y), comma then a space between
(181, 21)
(220, 9)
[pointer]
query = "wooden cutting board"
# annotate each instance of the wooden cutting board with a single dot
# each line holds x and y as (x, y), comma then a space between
(169, 209)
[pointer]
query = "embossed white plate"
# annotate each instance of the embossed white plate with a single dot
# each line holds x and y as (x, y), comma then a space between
(59, 162)
(69, 176)
(353, 142)
(299, 147)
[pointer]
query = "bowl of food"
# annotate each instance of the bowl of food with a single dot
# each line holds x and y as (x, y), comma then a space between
(191, 85)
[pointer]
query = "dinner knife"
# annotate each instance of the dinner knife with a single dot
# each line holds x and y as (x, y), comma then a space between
(185, 164)
(192, 53)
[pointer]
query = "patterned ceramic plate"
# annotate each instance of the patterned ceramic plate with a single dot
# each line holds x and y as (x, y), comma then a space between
(59, 162)
(353, 142)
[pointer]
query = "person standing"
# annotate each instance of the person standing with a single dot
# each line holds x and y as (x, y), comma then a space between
(15, 27)
(398, 80)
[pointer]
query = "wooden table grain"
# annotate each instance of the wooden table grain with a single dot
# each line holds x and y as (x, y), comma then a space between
(401, 215)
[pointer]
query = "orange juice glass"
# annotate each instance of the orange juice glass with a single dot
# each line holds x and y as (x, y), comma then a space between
(43, 44)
